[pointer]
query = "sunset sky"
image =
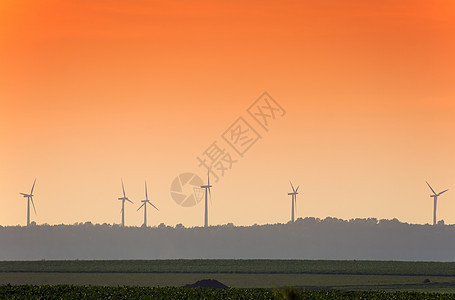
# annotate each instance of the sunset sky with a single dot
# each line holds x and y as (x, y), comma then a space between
(92, 91)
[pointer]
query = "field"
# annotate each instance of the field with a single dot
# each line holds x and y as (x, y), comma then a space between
(93, 292)
(314, 276)
(253, 266)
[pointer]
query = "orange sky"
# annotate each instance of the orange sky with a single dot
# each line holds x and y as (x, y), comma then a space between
(92, 91)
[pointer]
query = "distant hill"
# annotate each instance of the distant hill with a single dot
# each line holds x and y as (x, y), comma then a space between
(309, 238)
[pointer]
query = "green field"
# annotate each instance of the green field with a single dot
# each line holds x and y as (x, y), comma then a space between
(124, 292)
(234, 266)
(308, 281)
(312, 275)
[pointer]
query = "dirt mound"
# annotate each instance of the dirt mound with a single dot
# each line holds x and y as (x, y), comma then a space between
(207, 283)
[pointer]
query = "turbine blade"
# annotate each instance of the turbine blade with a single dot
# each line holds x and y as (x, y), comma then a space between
(443, 192)
(129, 201)
(153, 205)
(146, 196)
(31, 198)
(297, 189)
(208, 176)
(123, 188)
(141, 206)
(33, 186)
(210, 194)
(430, 188)
(292, 186)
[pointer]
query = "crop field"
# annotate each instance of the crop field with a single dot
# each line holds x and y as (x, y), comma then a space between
(349, 276)
(94, 292)
(308, 281)
(248, 266)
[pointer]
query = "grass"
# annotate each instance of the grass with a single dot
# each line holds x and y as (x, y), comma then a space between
(339, 275)
(123, 292)
(308, 281)
(235, 266)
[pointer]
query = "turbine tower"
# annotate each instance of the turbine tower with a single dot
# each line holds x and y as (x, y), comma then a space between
(144, 204)
(123, 199)
(435, 196)
(207, 188)
(29, 198)
(294, 200)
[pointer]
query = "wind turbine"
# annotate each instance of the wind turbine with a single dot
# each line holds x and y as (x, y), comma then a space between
(207, 188)
(123, 199)
(29, 198)
(144, 204)
(435, 196)
(294, 200)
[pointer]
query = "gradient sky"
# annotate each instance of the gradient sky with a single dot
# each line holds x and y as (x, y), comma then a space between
(95, 91)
